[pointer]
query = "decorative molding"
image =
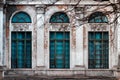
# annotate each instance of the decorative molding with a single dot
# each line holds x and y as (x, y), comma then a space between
(98, 27)
(79, 9)
(20, 26)
(40, 9)
(59, 27)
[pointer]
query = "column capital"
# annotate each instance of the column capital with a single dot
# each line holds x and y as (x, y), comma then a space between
(40, 9)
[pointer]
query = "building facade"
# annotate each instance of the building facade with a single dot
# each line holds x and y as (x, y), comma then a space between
(59, 38)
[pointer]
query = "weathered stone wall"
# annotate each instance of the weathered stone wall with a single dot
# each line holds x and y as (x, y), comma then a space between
(40, 13)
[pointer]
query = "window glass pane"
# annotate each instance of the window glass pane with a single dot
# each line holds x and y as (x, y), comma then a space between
(13, 54)
(98, 45)
(21, 17)
(67, 55)
(97, 17)
(67, 46)
(59, 35)
(20, 35)
(98, 56)
(98, 50)
(67, 35)
(98, 35)
(59, 47)
(91, 36)
(59, 17)
(14, 35)
(52, 49)
(28, 35)
(20, 54)
(59, 50)
(20, 51)
(52, 35)
(59, 65)
(105, 35)
(91, 50)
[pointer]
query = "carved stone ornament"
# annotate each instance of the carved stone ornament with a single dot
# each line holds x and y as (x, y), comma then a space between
(40, 10)
(79, 9)
(21, 26)
(60, 27)
(98, 27)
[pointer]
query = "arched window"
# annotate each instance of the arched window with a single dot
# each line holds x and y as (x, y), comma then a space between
(21, 17)
(59, 17)
(97, 17)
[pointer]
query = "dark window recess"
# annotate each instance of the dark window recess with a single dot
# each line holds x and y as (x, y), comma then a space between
(59, 17)
(98, 50)
(97, 17)
(21, 50)
(59, 50)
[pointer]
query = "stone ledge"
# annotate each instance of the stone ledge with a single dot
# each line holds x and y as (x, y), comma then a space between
(59, 78)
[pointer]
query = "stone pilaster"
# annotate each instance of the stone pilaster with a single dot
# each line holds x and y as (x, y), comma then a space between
(79, 56)
(1, 37)
(40, 36)
(1, 42)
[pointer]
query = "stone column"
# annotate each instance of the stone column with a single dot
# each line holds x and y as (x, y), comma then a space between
(40, 37)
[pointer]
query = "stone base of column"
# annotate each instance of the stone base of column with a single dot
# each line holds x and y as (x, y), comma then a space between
(41, 67)
(79, 67)
(117, 74)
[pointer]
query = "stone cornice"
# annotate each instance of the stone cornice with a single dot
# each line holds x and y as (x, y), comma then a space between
(62, 2)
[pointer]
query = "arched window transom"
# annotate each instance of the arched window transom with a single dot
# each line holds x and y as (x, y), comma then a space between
(98, 17)
(59, 17)
(21, 17)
